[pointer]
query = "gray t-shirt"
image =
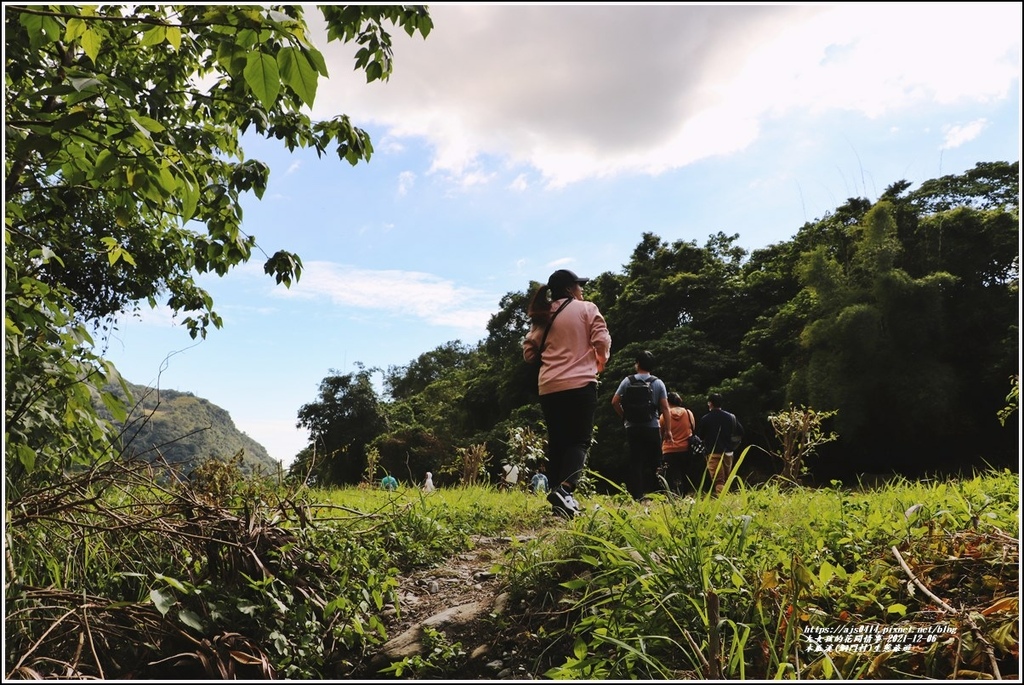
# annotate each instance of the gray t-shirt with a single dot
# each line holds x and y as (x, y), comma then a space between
(659, 391)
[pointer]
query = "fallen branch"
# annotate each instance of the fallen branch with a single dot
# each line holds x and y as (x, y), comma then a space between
(986, 645)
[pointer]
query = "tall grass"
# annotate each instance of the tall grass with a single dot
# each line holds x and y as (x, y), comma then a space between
(295, 584)
(725, 587)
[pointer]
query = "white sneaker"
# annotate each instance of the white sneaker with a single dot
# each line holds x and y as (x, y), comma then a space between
(563, 503)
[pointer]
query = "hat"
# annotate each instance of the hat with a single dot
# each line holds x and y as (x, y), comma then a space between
(563, 278)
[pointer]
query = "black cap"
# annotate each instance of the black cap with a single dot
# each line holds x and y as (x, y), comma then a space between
(563, 278)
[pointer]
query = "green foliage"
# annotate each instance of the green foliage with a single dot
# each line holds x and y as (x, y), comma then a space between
(123, 177)
(638, 589)
(1012, 401)
(342, 423)
(800, 433)
(51, 380)
(254, 581)
(526, 450)
(372, 462)
(442, 657)
(865, 306)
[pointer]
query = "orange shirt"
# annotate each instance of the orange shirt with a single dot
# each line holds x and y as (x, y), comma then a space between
(680, 428)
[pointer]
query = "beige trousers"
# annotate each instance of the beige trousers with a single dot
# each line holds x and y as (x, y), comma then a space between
(719, 467)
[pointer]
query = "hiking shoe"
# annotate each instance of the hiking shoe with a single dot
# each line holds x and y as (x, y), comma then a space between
(562, 513)
(563, 503)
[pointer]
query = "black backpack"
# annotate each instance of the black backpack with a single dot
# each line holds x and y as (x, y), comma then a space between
(638, 404)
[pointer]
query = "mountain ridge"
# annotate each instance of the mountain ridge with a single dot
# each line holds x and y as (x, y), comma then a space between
(184, 429)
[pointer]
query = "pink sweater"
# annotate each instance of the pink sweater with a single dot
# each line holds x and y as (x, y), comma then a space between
(577, 348)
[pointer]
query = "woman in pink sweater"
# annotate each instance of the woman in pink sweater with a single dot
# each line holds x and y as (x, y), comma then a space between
(570, 339)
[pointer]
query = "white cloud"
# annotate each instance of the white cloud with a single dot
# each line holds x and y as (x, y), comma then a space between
(433, 300)
(389, 145)
(958, 135)
(589, 91)
(406, 179)
(295, 166)
(475, 178)
(519, 183)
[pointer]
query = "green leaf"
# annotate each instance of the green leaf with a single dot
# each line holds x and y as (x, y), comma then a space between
(163, 602)
(75, 28)
(82, 84)
(174, 36)
(826, 668)
(149, 124)
(189, 199)
(826, 572)
(191, 619)
(73, 120)
(900, 609)
(166, 180)
(173, 582)
(262, 76)
(298, 73)
(105, 163)
(374, 71)
(91, 42)
(114, 406)
(153, 36)
(26, 456)
(317, 59)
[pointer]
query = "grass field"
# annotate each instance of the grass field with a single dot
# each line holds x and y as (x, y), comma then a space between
(249, 579)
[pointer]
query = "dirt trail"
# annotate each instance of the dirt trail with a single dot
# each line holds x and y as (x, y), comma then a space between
(461, 598)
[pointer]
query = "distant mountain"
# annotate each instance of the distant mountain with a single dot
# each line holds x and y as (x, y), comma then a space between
(187, 430)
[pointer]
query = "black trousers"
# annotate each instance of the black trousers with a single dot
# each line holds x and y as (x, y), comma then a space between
(644, 460)
(684, 472)
(569, 416)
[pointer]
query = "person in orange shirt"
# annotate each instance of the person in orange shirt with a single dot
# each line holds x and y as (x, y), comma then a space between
(569, 337)
(683, 478)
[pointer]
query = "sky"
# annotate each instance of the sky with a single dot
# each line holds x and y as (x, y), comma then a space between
(517, 139)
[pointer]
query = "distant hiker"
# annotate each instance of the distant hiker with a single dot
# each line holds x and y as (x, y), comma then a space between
(569, 339)
(510, 477)
(721, 432)
(539, 482)
(389, 482)
(640, 399)
(428, 484)
(683, 472)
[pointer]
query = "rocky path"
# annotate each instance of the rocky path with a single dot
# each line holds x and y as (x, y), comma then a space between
(462, 599)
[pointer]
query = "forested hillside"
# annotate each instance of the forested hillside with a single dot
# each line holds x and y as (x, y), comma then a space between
(185, 430)
(899, 315)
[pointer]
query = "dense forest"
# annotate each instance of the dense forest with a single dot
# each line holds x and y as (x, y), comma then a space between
(901, 316)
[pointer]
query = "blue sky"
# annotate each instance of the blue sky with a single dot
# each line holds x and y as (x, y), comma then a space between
(517, 139)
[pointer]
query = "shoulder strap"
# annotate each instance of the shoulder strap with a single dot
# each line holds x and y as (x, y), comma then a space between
(544, 339)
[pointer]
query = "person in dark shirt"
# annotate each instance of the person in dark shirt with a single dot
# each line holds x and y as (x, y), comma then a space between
(721, 432)
(643, 438)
